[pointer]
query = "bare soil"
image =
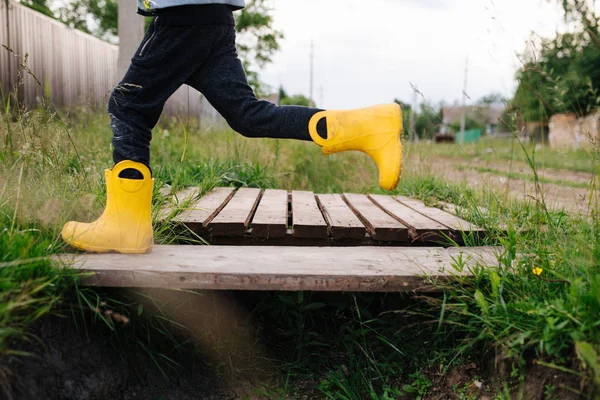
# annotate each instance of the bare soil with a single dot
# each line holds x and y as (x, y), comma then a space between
(64, 364)
(556, 196)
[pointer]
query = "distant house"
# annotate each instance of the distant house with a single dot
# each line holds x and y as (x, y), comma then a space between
(569, 131)
(488, 115)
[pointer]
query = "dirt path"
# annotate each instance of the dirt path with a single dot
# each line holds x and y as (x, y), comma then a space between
(564, 175)
(557, 195)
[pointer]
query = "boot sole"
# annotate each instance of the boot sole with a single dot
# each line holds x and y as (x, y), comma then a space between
(94, 249)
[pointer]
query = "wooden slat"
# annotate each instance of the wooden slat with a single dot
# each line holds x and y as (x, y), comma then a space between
(201, 212)
(420, 227)
(444, 218)
(235, 217)
(375, 269)
(379, 224)
(270, 220)
(340, 218)
(307, 220)
(176, 202)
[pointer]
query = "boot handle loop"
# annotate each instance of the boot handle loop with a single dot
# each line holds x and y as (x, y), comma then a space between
(127, 164)
(312, 128)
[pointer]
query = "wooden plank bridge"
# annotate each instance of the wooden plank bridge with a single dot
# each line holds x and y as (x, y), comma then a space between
(279, 240)
(275, 217)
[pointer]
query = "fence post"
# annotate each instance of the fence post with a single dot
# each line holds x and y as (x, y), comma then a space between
(131, 33)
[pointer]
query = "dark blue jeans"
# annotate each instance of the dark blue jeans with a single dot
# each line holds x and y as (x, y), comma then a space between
(204, 57)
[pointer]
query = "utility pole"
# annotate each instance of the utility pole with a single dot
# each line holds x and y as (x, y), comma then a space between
(312, 59)
(413, 112)
(131, 33)
(463, 116)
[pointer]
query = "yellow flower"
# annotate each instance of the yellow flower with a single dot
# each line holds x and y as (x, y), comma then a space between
(537, 271)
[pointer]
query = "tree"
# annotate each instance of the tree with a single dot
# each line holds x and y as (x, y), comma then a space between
(492, 98)
(427, 119)
(294, 100)
(406, 110)
(39, 5)
(427, 123)
(257, 41)
(96, 17)
(564, 77)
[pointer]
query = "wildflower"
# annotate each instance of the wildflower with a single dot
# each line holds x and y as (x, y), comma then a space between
(537, 271)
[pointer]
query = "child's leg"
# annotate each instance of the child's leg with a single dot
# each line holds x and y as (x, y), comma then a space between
(223, 81)
(374, 130)
(166, 58)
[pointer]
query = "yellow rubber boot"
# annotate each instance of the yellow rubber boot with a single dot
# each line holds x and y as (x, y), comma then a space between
(373, 130)
(126, 224)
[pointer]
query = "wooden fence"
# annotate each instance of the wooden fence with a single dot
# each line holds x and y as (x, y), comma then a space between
(73, 67)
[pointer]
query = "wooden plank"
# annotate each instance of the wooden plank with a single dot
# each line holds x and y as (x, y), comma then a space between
(368, 269)
(234, 219)
(176, 202)
(485, 256)
(201, 212)
(449, 207)
(420, 227)
(341, 220)
(453, 261)
(451, 221)
(307, 219)
(379, 224)
(270, 220)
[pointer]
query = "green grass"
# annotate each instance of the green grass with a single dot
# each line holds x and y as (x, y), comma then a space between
(362, 346)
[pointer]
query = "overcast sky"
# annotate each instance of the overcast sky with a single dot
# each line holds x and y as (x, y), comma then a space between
(369, 52)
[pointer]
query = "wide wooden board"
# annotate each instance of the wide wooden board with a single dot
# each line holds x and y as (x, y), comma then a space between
(340, 218)
(234, 219)
(420, 227)
(379, 224)
(307, 219)
(271, 217)
(370, 269)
